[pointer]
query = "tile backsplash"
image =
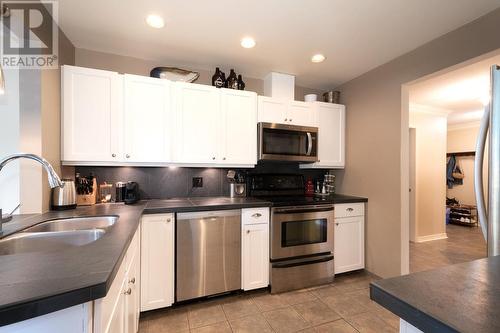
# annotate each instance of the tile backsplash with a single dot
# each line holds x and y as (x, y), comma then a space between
(170, 182)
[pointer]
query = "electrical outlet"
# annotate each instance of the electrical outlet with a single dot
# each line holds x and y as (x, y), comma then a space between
(197, 181)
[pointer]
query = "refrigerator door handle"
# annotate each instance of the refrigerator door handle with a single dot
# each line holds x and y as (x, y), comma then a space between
(478, 171)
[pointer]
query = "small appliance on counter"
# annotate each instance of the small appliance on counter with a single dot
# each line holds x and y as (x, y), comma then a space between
(64, 198)
(131, 193)
(120, 191)
(237, 185)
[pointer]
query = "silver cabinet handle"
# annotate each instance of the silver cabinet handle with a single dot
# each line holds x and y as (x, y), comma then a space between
(257, 215)
(213, 158)
(290, 120)
(113, 155)
(128, 291)
(286, 119)
(127, 156)
(132, 280)
(169, 220)
(349, 209)
(223, 158)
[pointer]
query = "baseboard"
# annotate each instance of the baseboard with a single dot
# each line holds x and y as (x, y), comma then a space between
(428, 238)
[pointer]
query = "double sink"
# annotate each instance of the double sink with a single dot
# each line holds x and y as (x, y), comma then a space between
(57, 234)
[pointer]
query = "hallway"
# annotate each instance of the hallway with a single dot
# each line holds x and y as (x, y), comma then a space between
(463, 244)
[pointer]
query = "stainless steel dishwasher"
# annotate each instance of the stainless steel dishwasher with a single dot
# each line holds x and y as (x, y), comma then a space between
(208, 253)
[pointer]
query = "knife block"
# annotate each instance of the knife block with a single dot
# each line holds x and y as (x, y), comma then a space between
(88, 199)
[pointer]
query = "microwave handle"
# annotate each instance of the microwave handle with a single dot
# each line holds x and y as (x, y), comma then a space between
(309, 144)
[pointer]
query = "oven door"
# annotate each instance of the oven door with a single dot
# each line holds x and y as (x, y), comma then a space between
(301, 231)
(280, 142)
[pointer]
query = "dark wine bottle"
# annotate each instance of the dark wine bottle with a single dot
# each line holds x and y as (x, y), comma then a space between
(224, 79)
(241, 84)
(218, 79)
(232, 80)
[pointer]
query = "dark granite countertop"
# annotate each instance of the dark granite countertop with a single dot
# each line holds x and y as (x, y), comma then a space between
(37, 283)
(458, 298)
(343, 198)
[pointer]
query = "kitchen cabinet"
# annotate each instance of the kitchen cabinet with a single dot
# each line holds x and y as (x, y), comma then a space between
(197, 112)
(349, 237)
(255, 248)
(119, 311)
(91, 121)
(238, 131)
(157, 261)
(271, 110)
(331, 137)
(147, 118)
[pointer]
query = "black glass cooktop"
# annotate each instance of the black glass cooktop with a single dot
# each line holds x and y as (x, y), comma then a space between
(297, 200)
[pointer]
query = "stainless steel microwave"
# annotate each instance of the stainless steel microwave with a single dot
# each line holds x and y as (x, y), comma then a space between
(279, 142)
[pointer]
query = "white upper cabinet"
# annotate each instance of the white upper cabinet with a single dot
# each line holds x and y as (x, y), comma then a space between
(331, 139)
(301, 114)
(272, 110)
(91, 115)
(147, 117)
(197, 112)
(238, 132)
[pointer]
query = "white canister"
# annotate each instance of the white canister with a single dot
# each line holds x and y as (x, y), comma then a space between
(311, 98)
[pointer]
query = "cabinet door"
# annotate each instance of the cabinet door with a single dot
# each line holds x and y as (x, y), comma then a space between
(157, 261)
(132, 294)
(92, 108)
(147, 117)
(238, 130)
(301, 114)
(349, 244)
(197, 114)
(331, 119)
(272, 110)
(117, 319)
(255, 256)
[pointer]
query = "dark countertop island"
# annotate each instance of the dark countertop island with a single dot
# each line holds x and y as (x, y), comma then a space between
(458, 298)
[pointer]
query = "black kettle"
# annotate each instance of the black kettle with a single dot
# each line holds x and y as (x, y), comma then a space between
(131, 193)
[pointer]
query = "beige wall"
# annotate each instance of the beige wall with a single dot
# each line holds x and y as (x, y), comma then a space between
(460, 139)
(430, 171)
(131, 65)
(377, 136)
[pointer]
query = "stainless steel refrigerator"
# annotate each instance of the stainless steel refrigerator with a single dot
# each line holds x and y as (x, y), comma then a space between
(489, 215)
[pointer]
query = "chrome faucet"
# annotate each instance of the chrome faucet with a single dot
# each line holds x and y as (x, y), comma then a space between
(54, 180)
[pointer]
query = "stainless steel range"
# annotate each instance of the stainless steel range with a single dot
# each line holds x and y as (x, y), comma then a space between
(302, 227)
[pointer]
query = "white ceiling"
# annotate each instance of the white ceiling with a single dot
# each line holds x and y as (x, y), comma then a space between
(355, 36)
(462, 92)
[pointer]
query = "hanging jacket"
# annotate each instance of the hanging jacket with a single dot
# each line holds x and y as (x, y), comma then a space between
(450, 167)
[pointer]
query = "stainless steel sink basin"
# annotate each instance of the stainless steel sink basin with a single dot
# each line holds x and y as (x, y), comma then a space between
(47, 241)
(76, 223)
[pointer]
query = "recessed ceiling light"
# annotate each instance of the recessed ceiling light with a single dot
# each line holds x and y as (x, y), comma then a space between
(247, 42)
(318, 58)
(155, 21)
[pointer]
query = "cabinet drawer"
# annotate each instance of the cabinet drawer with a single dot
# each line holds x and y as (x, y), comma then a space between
(255, 215)
(348, 210)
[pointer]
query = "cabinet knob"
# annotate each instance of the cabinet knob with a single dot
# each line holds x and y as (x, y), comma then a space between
(349, 209)
(223, 158)
(337, 223)
(256, 215)
(290, 119)
(213, 158)
(128, 291)
(132, 280)
(248, 231)
(286, 119)
(113, 155)
(127, 156)
(168, 220)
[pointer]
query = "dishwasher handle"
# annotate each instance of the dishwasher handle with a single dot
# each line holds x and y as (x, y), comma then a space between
(206, 215)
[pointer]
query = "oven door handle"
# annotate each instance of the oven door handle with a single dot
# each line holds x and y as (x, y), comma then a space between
(305, 210)
(302, 263)
(309, 144)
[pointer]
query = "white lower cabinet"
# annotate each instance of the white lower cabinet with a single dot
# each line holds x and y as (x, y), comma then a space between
(119, 311)
(255, 248)
(157, 261)
(349, 237)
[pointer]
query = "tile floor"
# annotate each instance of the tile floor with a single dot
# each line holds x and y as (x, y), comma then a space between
(463, 244)
(343, 306)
